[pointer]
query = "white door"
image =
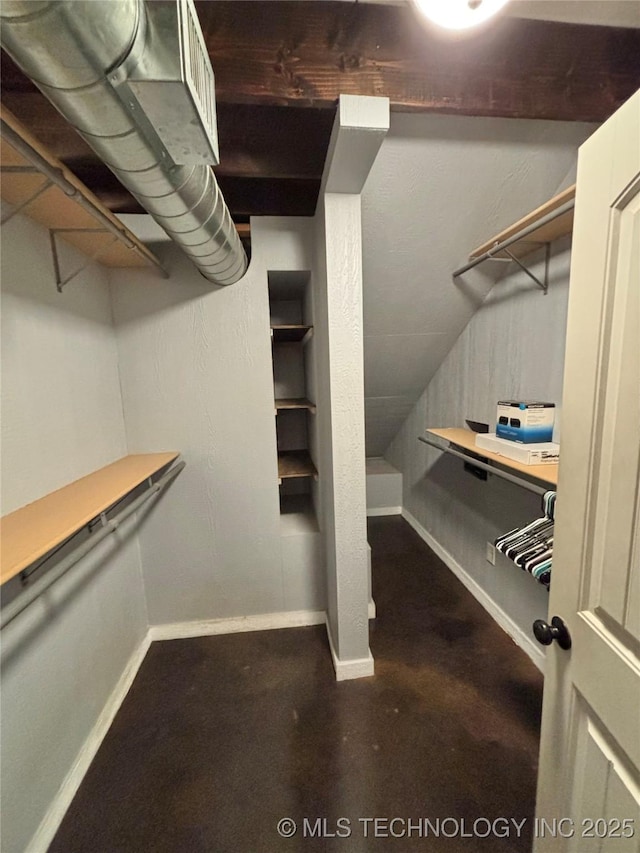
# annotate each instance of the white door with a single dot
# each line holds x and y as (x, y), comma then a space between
(589, 777)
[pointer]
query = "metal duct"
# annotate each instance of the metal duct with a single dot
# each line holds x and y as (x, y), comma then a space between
(77, 52)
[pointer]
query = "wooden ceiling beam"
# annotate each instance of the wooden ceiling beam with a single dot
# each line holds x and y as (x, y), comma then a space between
(257, 144)
(284, 53)
(254, 140)
(272, 55)
(270, 140)
(244, 196)
(269, 196)
(307, 54)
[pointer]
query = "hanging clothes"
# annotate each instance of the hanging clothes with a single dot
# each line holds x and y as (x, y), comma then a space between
(531, 547)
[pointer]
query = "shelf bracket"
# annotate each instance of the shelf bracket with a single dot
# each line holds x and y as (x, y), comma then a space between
(544, 286)
(42, 188)
(53, 232)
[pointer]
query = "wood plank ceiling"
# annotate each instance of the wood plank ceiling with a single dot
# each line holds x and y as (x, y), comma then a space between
(280, 67)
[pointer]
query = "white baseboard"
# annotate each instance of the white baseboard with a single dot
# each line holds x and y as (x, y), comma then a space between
(53, 818)
(237, 624)
(384, 510)
(506, 623)
(348, 669)
(301, 618)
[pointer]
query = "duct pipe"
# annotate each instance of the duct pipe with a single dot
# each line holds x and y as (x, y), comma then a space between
(76, 52)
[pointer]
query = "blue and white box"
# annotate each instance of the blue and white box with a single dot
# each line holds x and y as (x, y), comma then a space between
(525, 421)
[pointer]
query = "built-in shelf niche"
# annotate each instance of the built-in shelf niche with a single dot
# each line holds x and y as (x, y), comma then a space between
(292, 343)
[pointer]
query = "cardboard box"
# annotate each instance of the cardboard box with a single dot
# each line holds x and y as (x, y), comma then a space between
(525, 421)
(544, 453)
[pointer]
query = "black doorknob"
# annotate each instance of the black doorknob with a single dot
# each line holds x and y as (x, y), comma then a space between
(546, 634)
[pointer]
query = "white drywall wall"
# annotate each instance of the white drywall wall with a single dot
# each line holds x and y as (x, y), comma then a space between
(61, 406)
(61, 419)
(196, 376)
(513, 347)
(384, 487)
(441, 186)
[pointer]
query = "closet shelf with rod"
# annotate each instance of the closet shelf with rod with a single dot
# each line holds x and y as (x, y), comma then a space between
(50, 526)
(38, 185)
(33, 531)
(461, 443)
(541, 227)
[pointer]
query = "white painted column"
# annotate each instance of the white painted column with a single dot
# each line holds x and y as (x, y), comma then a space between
(360, 127)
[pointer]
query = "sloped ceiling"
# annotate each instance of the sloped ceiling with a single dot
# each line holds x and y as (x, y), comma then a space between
(440, 186)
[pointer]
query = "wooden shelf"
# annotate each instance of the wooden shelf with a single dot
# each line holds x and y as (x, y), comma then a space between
(28, 533)
(287, 334)
(289, 403)
(466, 440)
(24, 184)
(295, 463)
(558, 227)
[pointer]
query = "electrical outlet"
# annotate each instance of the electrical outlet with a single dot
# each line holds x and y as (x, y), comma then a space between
(491, 553)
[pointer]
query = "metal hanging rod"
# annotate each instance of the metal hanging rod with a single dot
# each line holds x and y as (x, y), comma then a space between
(57, 177)
(499, 247)
(525, 484)
(35, 589)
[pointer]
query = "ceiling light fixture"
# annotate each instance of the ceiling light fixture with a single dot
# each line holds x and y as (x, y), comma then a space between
(459, 14)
